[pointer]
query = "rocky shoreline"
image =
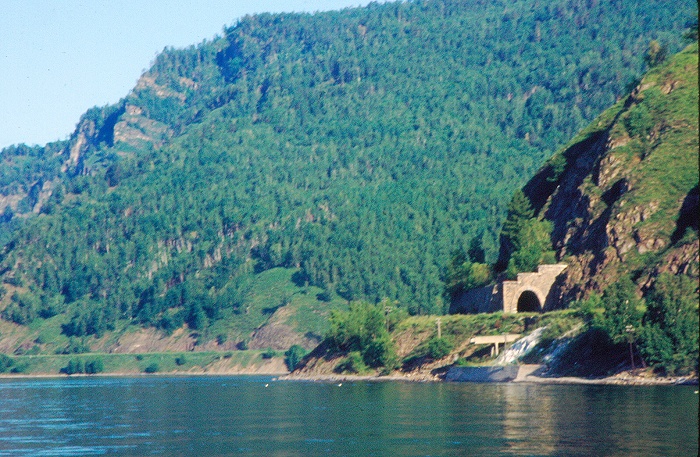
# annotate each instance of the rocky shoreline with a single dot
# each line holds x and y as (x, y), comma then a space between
(528, 374)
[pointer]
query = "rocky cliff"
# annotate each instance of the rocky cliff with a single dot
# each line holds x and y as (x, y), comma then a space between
(623, 196)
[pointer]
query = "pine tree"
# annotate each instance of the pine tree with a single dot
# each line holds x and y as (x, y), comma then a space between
(519, 212)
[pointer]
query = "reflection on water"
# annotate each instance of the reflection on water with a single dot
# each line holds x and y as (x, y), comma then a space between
(528, 422)
(241, 416)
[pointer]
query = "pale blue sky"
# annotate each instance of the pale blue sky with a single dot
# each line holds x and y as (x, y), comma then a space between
(60, 57)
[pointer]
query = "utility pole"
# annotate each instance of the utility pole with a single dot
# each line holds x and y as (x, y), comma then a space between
(630, 339)
(387, 310)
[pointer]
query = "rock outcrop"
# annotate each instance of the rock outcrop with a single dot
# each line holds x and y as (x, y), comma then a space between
(626, 200)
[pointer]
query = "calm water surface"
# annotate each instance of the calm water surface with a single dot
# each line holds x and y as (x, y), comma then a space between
(241, 416)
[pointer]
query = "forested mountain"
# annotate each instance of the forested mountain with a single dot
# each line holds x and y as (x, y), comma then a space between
(357, 147)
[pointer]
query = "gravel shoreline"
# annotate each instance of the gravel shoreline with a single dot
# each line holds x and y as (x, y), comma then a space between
(621, 379)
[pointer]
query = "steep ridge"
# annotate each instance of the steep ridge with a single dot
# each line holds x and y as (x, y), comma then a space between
(625, 198)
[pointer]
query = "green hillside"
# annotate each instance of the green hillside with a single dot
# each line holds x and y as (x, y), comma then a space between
(622, 203)
(354, 149)
(622, 197)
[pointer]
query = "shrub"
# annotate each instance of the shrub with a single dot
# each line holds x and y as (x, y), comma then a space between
(152, 368)
(363, 329)
(353, 363)
(269, 353)
(557, 166)
(439, 348)
(669, 336)
(464, 273)
(23, 309)
(591, 308)
(623, 311)
(20, 368)
(532, 245)
(380, 353)
(180, 360)
(75, 346)
(639, 121)
(6, 362)
(352, 330)
(324, 296)
(656, 54)
(293, 356)
(461, 362)
(94, 366)
(90, 319)
(75, 366)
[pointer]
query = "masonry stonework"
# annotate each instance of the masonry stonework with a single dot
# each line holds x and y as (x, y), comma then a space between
(529, 290)
(537, 283)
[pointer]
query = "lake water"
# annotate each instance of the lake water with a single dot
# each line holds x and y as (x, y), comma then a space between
(256, 416)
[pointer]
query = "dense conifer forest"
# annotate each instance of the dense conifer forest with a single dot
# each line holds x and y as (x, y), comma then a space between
(359, 148)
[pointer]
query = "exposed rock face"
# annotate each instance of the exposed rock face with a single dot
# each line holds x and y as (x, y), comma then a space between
(136, 126)
(126, 122)
(96, 126)
(626, 201)
(681, 260)
(85, 130)
(280, 337)
(135, 129)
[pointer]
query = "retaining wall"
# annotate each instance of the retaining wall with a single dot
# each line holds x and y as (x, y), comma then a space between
(483, 374)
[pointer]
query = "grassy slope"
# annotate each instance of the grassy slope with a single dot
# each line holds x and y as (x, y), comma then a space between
(412, 336)
(246, 362)
(303, 315)
(661, 163)
(306, 313)
(666, 171)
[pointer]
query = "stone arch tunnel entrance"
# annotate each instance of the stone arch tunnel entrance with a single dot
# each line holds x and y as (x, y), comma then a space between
(528, 293)
(529, 303)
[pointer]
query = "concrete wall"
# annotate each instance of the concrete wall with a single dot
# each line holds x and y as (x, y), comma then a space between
(482, 374)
